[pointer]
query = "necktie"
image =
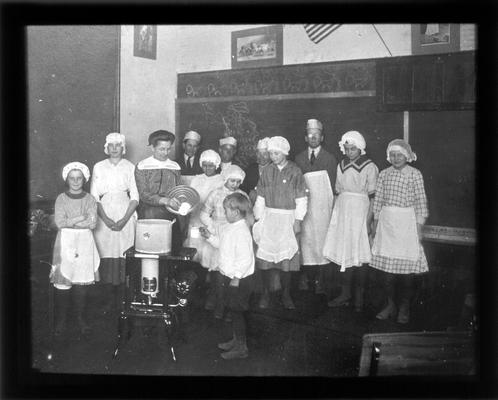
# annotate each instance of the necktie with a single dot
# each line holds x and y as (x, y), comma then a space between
(312, 157)
(189, 163)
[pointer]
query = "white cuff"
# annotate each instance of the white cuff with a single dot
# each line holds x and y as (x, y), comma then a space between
(301, 208)
(259, 207)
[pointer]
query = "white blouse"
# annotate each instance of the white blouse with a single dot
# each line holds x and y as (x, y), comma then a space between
(108, 177)
(235, 243)
(204, 184)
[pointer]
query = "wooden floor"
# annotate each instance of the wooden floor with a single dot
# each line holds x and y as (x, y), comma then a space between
(312, 340)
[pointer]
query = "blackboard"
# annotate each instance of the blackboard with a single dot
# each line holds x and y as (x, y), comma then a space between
(278, 100)
(72, 78)
(249, 121)
(445, 145)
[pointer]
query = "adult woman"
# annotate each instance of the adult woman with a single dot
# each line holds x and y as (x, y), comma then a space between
(210, 161)
(400, 210)
(114, 189)
(155, 176)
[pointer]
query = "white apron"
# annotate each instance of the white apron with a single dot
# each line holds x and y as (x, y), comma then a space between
(274, 235)
(79, 255)
(316, 221)
(209, 255)
(346, 242)
(396, 235)
(112, 244)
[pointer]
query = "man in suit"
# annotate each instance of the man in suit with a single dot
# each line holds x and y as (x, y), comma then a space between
(189, 160)
(319, 168)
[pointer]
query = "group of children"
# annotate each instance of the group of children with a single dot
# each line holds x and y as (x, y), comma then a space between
(376, 219)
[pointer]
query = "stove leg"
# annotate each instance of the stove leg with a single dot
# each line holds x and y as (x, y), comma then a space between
(169, 337)
(122, 327)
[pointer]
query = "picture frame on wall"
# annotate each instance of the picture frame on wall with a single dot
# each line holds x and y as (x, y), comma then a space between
(145, 41)
(257, 47)
(435, 38)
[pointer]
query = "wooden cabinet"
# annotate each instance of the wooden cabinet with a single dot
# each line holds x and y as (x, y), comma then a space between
(433, 82)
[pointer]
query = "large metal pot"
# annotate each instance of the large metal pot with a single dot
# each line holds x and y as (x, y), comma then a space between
(153, 236)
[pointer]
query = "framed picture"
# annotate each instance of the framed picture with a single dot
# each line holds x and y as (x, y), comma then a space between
(435, 38)
(257, 47)
(145, 41)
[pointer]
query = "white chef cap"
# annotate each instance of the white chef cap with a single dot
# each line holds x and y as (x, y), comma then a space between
(114, 137)
(230, 140)
(354, 138)
(233, 172)
(210, 156)
(279, 143)
(192, 135)
(403, 147)
(76, 165)
(314, 124)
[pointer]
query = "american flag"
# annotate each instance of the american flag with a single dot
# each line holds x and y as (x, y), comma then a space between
(318, 32)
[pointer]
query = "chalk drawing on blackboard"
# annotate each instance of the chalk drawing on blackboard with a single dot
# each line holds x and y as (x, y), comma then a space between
(234, 120)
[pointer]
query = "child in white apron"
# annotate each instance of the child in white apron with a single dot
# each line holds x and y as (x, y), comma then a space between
(280, 208)
(115, 190)
(347, 243)
(213, 216)
(75, 259)
(400, 211)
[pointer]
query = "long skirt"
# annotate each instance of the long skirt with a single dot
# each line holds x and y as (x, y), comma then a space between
(346, 243)
(113, 244)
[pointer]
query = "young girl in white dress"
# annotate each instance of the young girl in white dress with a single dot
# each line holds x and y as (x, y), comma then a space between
(212, 216)
(347, 244)
(115, 190)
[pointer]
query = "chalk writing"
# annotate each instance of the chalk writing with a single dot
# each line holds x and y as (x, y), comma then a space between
(311, 78)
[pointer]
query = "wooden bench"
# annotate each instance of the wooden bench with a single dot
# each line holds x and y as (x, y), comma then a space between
(418, 353)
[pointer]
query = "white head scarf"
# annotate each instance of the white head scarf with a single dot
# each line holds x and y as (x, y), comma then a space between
(279, 143)
(210, 156)
(403, 147)
(354, 138)
(76, 165)
(233, 172)
(263, 143)
(114, 137)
